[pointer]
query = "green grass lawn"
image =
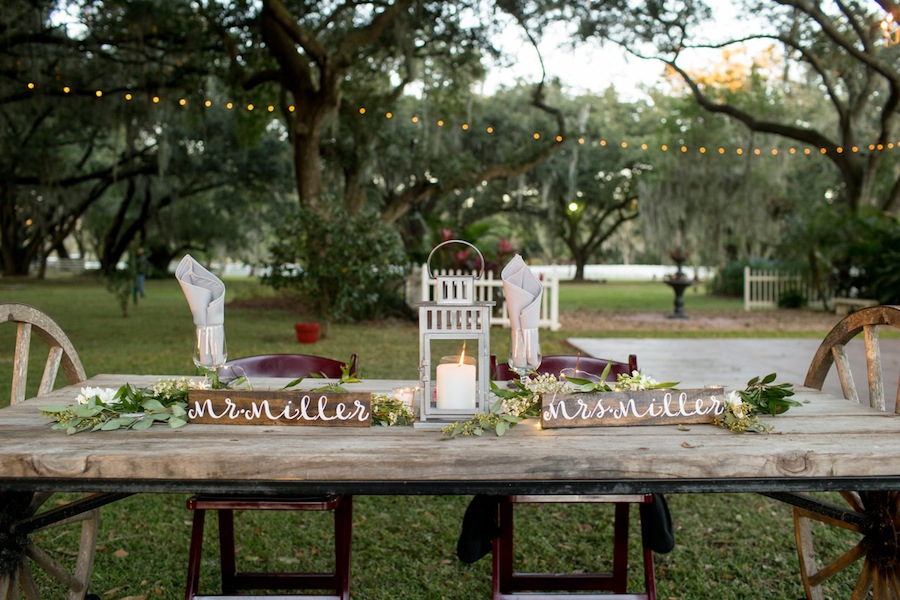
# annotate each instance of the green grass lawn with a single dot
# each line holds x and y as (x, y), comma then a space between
(729, 546)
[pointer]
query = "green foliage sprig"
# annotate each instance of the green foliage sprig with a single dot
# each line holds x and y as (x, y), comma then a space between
(765, 397)
(742, 407)
(129, 407)
(336, 386)
(523, 401)
(388, 411)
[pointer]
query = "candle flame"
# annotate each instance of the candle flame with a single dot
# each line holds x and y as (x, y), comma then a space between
(462, 355)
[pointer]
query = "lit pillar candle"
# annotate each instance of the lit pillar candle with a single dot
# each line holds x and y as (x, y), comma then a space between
(456, 384)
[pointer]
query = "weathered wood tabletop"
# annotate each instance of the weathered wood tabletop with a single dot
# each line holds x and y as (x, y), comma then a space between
(827, 444)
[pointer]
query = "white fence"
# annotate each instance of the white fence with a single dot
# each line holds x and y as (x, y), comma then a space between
(763, 288)
(489, 289)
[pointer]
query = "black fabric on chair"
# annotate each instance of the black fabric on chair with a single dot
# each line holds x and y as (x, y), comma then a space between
(336, 583)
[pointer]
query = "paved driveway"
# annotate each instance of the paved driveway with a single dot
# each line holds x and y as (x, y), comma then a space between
(733, 361)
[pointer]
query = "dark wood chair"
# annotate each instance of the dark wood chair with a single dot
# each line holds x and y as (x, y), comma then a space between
(32, 509)
(507, 583)
(336, 583)
(555, 364)
(288, 365)
(872, 515)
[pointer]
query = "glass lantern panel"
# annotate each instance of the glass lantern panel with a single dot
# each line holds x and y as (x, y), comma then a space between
(456, 370)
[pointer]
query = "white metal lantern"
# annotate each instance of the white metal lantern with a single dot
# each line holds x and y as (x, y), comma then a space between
(454, 349)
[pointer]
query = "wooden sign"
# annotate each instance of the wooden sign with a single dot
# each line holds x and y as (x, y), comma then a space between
(643, 407)
(248, 407)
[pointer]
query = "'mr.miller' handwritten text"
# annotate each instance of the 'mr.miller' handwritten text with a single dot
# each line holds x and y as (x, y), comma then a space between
(645, 407)
(245, 407)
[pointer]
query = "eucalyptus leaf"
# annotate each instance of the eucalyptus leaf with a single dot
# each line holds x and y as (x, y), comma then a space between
(143, 424)
(152, 404)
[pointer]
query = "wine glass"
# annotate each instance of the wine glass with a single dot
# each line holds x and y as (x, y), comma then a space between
(524, 352)
(210, 352)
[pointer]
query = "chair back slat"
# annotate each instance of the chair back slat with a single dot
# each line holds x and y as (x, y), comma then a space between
(873, 363)
(845, 375)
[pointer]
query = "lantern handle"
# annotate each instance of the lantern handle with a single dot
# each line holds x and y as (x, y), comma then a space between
(444, 243)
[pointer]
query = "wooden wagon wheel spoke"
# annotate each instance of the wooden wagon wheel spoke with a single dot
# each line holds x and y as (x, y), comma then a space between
(26, 582)
(853, 500)
(836, 566)
(9, 585)
(864, 584)
(54, 568)
(895, 583)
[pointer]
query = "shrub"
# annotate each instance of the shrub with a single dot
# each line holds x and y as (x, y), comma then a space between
(348, 267)
(729, 281)
(792, 298)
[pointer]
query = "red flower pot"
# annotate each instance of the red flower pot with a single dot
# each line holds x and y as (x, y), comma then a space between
(307, 333)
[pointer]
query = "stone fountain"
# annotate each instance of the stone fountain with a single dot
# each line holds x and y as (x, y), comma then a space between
(679, 282)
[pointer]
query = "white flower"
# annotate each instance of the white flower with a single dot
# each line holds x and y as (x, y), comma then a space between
(544, 384)
(104, 395)
(636, 381)
(735, 403)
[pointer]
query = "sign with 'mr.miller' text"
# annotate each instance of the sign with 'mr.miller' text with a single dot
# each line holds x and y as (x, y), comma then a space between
(248, 407)
(643, 407)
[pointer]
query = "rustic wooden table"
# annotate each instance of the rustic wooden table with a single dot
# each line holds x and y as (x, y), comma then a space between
(827, 444)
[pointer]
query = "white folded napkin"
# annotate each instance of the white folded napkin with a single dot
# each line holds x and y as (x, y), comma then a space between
(523, 303)
(205, 294)
(523, 294)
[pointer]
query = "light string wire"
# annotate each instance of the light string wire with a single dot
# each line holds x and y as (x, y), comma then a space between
(490, 130)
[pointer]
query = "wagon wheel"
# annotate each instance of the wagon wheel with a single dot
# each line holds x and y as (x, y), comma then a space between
(873, 515)
(22, 514)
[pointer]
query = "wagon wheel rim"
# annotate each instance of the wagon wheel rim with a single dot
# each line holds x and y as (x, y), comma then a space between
(23, 556)
(878, 547)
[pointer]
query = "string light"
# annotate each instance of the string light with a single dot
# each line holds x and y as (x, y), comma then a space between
(466, 126)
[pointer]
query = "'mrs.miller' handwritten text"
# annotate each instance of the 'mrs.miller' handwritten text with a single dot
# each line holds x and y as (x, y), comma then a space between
(651, 407)
(280, 408)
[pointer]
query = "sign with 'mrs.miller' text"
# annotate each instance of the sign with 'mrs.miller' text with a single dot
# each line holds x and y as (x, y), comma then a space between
(248, 407)
(642, 407)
